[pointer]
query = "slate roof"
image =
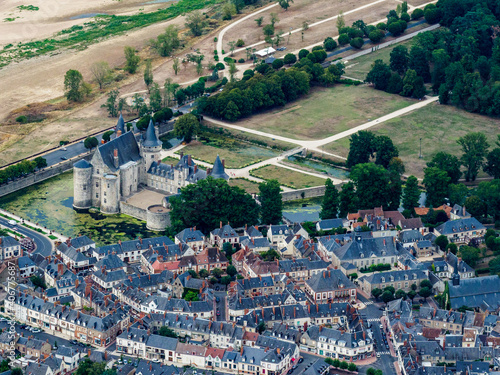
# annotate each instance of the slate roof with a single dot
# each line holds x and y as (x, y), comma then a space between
(411, 236)
(423, 244)
(134, 245)
(279, 230)
(37, 369)
(330, 224)
(289, 265)
(120, 125)
(82, 164)
(218, 170)
(185, 163)
(253, 232)
(81, 241)
(128, 151)
(335, 336)
(329, 280)
(8, 241)
(225, 232)
(111, 262)
(461, 225)
(476, 291)
(394, 276)
(412, 223)
(25, 262)
(150, 138)
(190, 235)
(253, 243)
(110, 276)
(367, 247)
(72, 253)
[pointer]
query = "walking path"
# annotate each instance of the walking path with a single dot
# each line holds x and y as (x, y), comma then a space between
(315, 145)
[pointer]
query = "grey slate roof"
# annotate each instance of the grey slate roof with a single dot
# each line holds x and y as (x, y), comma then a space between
(289, 265)
(128, 150)
(330, 224)
(367, 247)
(394, 276)
(37, 369)
(253, 243)
(81, 241)
(225, 232)
(111, 262)
(411, 236)
(82, 164)
(185, 163)
(473, 292)
(8, 241)
(190, 235)
(461, 225)
(350, 339)
(120, 125)
(25, 262)
(110, 276)
(329, 280)
(150, 138)
(218, 170)
(134, 245)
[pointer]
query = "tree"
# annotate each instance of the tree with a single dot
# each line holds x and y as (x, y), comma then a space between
(475, 206)
(148, 74)
(340, 22)
(442, 242)
(203, 273)
(210, 201)
(167, 332)
(399, 59)
(348, 199)
(372, 185)
(217, 272)
(470, 255)
(175, 65)
(155, 99)
(379, 75)
(457, 193)
(418, 62)
(385, 150)
(228, 10)
(475, 148)
(425, 292)
(196, 22)
(268, 30)
(231, 270)
(376, 292)
(387, 296)
(290, 59)
(411, 295)
(452, 248)
(448, 163)
(400, 293)
(261, 327)
(73, 82)
(131, 60)
(330, 205)
(352, 366)
(492, 166)
(343, 365)
(361, 148)
(112, 103)
(40, 162)
(329, 44)
(425, 283)
(489, 192)
(343, 39)
(285, 4)
(259, 21)
(411, 194)
(376, 35)
(167, 42)
(90, 143)
(232, 71)
(16, 371)
(186, 126)
(356, 42)
(271, 202)
(101, 72)
(226, 280)
(436, 183)
(274, 19)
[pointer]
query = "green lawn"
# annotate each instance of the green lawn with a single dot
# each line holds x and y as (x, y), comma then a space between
(360, 66)
(170, 160)
(287, 177)
(238, 155)
(327, 111)
(247, 185)
(439, 126)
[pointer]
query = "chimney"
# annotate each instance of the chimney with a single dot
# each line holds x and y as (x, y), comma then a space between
(195, 168)
(60, 269)
(77, 282)
(89, 352)
(181, 154)
(115, 158)
(220, 224)
(224, 163)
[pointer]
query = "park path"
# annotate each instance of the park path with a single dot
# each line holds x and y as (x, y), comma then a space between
(315, 145)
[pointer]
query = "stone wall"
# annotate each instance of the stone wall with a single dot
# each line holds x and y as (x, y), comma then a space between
(128, 209)
(40, 176)
(317, 191)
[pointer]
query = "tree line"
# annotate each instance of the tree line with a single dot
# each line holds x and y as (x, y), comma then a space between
(21, 169)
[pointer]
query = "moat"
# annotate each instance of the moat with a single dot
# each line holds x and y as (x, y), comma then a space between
(49, 203)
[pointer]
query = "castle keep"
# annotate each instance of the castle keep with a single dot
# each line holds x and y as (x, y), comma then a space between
(120, 167)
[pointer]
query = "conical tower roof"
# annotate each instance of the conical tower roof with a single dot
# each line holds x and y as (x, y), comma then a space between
(120, 126)
(151, 140)
(218, 170)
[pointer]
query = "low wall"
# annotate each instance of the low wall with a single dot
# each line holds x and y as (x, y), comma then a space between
(40, 176)
(312, 192)
(128, 209)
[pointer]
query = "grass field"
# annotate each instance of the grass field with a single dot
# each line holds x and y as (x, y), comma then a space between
(360, 66)
(250, 187)
(439, 126)
(239, 155)
(327, 111)
(287, 177)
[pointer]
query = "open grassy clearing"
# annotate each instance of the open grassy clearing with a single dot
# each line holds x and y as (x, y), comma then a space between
(236, 155)
(439, 126)
(327, 111)
(360, 66)
(287, 177)
(250, 187)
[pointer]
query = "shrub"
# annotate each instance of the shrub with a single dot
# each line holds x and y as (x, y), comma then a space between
(215, 52)
(382, 26)
(223, 52)
(397, 28)
(229, 60)
(219, 66)
(240, 43)
(329, 44)
(215, 40)
(216, 58)
(355, 33)
(357, 43)
(316, 48)
(303, 53)
(278, 64)
(241, 61)
(290, 58)
(376, 35)
(343, 39)
(405, 17)
(432, 15)
(248, 72)
(22, 119)
(417, 14)
(344, 30)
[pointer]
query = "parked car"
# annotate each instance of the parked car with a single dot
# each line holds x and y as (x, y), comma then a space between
(378, 355)
(12, 222)
(64, 158)
(301, 360)
(73, 342)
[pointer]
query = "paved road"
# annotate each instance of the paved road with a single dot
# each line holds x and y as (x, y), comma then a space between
(220, 306)
(41, 241)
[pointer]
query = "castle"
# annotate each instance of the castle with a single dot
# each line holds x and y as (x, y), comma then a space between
(121, 166)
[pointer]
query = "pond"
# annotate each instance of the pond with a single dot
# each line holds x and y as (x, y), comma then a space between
(302, 210)
(321, 167)
(49, 203)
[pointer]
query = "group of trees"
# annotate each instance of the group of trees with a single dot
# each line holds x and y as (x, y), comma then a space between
(212, 201)
(75, 88)
(21, 169)
(389, 293)
(88, 367)
(343, 365)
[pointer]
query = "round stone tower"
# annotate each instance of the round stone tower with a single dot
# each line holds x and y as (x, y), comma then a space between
(157, 218)
(151, 147)
(110, 201)
(82, 185)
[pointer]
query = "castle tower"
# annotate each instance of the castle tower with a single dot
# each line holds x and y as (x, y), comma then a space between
(150, 149)
(120, 126)
(110, 201)
(219, 171)
(82, 182)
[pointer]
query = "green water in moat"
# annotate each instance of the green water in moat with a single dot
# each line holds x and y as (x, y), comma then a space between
(49, 203)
